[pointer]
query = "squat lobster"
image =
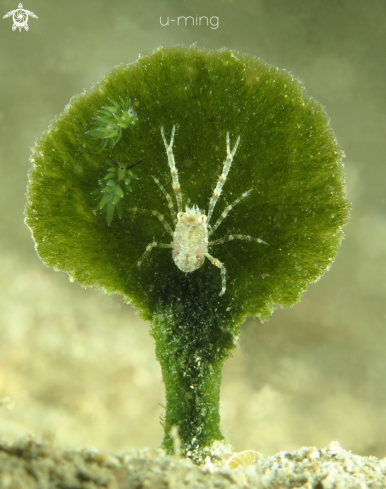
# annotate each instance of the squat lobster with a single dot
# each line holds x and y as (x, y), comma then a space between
(190, 237)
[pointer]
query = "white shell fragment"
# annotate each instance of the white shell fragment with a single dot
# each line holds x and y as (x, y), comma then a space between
(243, 459)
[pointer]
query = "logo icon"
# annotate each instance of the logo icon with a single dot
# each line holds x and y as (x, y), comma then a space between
(20, 17)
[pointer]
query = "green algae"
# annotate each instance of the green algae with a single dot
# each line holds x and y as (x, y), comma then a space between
(288, 156)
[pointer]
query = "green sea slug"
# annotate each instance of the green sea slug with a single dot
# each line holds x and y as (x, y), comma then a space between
(238, 205)
(110, 121)
(112, 193)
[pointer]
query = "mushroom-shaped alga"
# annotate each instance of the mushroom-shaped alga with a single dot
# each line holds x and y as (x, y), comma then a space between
(202, 186)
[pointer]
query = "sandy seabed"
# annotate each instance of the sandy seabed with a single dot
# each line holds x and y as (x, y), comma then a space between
(30, 464)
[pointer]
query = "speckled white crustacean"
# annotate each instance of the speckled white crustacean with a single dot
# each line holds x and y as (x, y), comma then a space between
(192, 230)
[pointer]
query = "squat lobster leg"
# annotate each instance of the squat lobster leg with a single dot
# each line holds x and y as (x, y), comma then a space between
(218, 264)
(168, 198)
(227, 210)
(172, 165)
(227, 165)
(231, 237)
(161, 218)
(149, 248)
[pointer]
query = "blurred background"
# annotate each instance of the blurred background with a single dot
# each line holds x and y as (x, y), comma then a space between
(80, 364)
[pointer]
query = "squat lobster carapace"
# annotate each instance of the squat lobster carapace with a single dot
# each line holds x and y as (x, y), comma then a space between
(190, 237)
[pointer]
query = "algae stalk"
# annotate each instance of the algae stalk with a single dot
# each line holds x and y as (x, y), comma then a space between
(191, 346)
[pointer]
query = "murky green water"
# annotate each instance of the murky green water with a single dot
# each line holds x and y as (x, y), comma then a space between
(81, 364)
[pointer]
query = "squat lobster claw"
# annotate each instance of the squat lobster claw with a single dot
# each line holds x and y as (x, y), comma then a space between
(192, 231)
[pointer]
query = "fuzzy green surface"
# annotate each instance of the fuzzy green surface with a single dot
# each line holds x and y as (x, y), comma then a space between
(288, 156)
